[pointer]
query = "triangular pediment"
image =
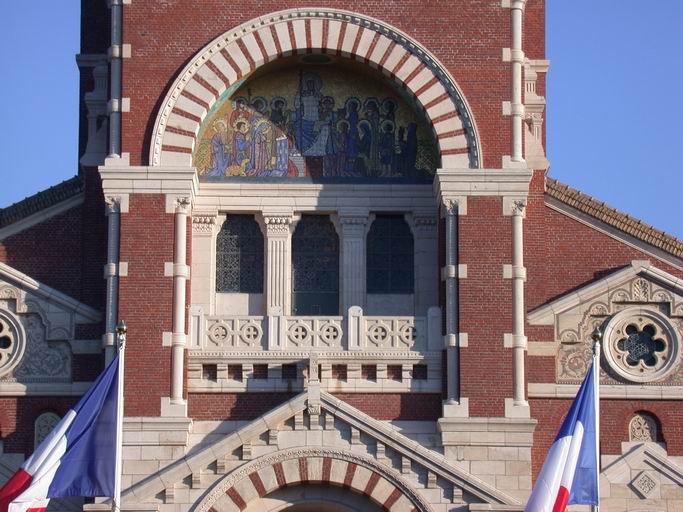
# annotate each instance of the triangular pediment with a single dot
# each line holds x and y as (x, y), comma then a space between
(329, 425)
(638, 283)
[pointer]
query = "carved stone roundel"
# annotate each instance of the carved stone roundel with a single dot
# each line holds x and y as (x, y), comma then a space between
(12, 342)
(641, 345)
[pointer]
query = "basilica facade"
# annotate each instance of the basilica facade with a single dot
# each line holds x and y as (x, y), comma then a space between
(350, 282)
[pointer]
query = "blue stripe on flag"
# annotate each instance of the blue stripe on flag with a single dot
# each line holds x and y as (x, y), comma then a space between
(88, 466)
(585, 484)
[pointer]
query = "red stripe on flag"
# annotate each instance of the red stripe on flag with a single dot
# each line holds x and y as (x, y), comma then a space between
(13, 488)
(562, 499)
(37, 509)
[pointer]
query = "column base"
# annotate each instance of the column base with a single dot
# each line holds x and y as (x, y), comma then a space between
(516, 409)
(455, 409)
(173, 408)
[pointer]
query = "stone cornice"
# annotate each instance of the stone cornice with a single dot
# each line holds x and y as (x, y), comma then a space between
(452, 184)
(124, 179)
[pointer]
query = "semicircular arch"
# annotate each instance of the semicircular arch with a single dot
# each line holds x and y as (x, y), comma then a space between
(269, 473)
(238, 52)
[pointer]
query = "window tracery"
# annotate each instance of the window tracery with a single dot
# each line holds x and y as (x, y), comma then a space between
(390, 256)
(315, 267)
(239, 256)
(43, 426)
(643, 428)
(12, 342)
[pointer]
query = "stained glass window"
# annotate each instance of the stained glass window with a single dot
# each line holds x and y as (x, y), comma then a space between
(390, 257)
(315, 267)
(239, 256)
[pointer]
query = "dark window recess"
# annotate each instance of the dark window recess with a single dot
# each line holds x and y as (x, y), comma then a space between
(368, 372)
(339, 372)
(315, 267)
(210, 372)
(260, 371)
(390, 256)
(395, 372)
(239, 256)
(289, 371)
(235, 372)
(420, 372)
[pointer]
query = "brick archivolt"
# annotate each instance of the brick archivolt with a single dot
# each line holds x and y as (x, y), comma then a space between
(238, 52)
(301, 466)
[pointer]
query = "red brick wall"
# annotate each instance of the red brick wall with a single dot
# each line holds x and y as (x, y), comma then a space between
(233, 406)
(396, 406)
(17, 417)
(485, 244)
(467, 40)
(146, 301)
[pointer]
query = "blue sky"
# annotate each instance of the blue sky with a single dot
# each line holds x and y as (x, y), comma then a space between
(614, 116)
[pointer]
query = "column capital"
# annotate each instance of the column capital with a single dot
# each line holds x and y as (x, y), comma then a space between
(514, 206)
(112, 204)
(204, 223)
(182, 204)
(277, 223)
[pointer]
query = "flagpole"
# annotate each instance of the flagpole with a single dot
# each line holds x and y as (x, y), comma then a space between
(597, 337)
(121, 331)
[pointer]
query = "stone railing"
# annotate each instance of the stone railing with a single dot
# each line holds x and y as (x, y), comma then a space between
(353, 332)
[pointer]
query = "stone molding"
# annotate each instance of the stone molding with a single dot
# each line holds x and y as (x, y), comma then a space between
(607, 391)
(278, 25)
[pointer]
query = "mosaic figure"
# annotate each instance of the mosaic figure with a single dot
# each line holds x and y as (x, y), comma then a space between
(317, 124)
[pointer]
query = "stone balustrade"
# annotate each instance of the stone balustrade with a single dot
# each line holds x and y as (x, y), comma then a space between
(352, 332)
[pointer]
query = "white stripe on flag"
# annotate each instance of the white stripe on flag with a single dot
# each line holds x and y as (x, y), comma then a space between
(42, 466)
(572, 457)
(547, 484)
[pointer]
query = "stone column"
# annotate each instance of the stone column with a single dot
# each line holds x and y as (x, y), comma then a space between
(424, 229)
(180, 275)
(519, 340)
(353, 231)
(278, 231)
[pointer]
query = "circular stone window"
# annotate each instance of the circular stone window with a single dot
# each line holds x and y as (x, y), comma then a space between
(12, 343)
(641, 345)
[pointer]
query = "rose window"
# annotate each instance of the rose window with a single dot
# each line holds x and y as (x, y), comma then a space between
(641, 345)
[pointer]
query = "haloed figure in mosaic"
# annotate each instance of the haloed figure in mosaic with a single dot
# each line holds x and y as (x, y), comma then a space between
(321, 123)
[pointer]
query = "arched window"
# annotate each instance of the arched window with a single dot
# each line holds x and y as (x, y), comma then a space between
(315, 267)
(390, 258)
(239, 256)
(43, 426)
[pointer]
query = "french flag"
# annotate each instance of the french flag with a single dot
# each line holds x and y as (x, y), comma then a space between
(79, 456)
(570, 472)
